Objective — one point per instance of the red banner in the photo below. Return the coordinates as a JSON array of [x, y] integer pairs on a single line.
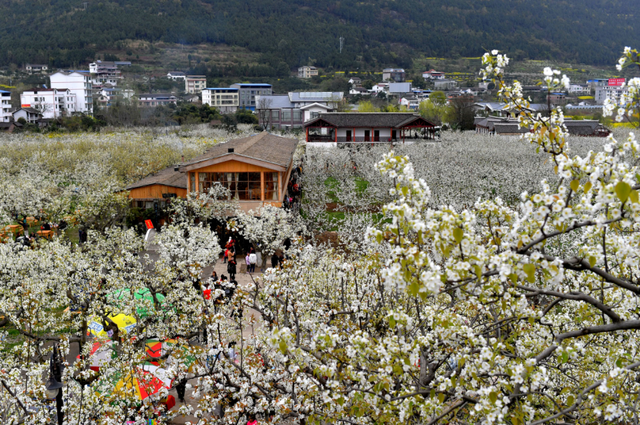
[[149, 224], [617, 81]]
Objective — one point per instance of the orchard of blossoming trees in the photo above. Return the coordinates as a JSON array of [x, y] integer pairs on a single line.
[[507, 292]]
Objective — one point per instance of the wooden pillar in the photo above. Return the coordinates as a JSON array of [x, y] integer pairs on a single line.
[[353, 138], [307, 134], [279, 185], [188, 182], [403, 136], [197, 188], [262, 184], [335, 134]]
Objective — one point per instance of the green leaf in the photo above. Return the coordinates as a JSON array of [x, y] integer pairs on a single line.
[[587, 187], [283, 347], [513, 277], [623, 190], [570, 400], [441, 397], [392, 322], [634, 196], [530, 270], [592, 261], [565, 357], [458, 234], [619, 362], [413, 288], [575, 185], [493, 397]]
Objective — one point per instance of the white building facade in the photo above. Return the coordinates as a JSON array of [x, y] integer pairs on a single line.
[[78, 83], [195, 83], [104, 73], [5, 106], [51, 103], [224, 99]]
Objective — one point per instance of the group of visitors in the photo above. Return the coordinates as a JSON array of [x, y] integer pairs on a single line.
[[251, 259]]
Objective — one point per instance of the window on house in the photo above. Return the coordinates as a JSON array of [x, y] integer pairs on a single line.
[[297, 115], [314, 115], [275, 115], [286, 115], [243, 186], [271, 186]]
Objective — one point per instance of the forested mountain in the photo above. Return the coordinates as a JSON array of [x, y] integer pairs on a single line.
[[295, 32]]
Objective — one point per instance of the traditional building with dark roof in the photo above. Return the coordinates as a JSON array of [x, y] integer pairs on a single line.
[[355, 127], [165, 184]]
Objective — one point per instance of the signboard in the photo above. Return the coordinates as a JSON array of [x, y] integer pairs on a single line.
[[169, 195], [617, 81], [149, 224]]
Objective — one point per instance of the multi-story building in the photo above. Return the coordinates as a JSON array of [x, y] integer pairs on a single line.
[[51, 103], [393, 74], [195, 83], [433, 75], [307, 71], [224, 99], [295, 108], [248, 92], [156, 99], [176, 75], [33, 67], [5, 106], [78, 83], [104, 72]]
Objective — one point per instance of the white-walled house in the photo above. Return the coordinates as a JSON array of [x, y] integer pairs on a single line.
[[312, 110], [5, 106], [30, 115], [78, 83], [51, 103], [224, 99], [176, 75]]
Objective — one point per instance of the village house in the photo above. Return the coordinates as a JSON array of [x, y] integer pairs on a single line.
[[307, 71], [30, 115], [79, 84], [393, 74], [224, 99], [356, 127], [433, 75], [51, 103], [104, 72], [32, 68], [176, 75], [255, 169], [158, 188], [355, 82], [295, 108], [579, 89], [195, 83], [156, 99], [445, 84], [511, 127], [247, 93], [611, 88], [5, 106]]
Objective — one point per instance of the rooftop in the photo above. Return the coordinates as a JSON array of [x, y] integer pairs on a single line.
[[221, 88], [166, 177], [369, 119], [263, 147], [252, 85]]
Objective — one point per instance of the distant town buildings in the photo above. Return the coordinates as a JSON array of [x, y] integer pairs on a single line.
[[156, 99], [433, 75], [247, 93], [307, 71], [195, 83], [176, 75], [30, 115], [79, 84], [5, 106], [393, 74], [106, 72], [32, 68], [614, 87], [51, 103], [293, 109], [224, 99]]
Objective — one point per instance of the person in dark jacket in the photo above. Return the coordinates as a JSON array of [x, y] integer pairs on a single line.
[[231, 268], [274, 260]]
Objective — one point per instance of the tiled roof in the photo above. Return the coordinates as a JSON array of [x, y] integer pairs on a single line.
[[166, 177], [264, 147], [366, 119]]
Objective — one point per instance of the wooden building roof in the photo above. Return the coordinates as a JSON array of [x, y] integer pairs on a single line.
[[167, 177], [264, 149], [369, 120]]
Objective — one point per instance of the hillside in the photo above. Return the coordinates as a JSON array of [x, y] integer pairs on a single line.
[[289, 33]]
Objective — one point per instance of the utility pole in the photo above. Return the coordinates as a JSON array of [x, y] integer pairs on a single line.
[[341, 43]]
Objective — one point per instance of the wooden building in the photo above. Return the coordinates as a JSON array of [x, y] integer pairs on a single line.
[[165, 184], [355, 127], [255, 169]]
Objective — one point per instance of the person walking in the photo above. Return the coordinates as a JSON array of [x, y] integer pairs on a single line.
[[247, 260], [253, 259], [231, 268], [274, 260]]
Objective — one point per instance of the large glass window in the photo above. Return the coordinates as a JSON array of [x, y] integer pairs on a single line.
[[286, 115], [297, 115], [243, 186], [275, 115], [271, 186]]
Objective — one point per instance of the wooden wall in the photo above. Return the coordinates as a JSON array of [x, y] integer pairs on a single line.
[[155, 191], [232, 167]]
